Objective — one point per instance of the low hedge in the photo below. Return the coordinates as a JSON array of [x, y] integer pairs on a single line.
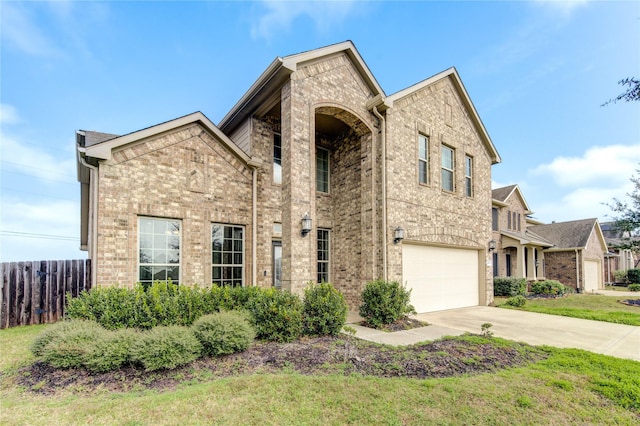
[[165, 347], [548, 288], [509, 286], [633, 276], [384, 302], [634, 287], [224, 333], [324, 310]]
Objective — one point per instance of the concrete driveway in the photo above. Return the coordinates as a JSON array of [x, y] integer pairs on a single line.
[[622, 341]]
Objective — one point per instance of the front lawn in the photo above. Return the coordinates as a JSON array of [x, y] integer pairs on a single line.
[[586, 306], [547, 386]]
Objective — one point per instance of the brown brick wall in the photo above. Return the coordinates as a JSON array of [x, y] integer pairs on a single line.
[[561, 266]]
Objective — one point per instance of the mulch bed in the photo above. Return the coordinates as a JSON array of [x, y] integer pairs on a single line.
[[309, 356], [632, 302]]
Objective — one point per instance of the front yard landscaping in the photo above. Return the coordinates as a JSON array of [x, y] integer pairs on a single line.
[[586, 306]]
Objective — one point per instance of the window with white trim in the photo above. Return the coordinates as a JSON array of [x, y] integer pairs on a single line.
[[322, 170], [158, 250], [468, 175], [423, 159], [447, 174], [227, 255], [323, 255], [277, 158]]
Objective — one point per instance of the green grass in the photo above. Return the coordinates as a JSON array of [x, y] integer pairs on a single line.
[[569, 387], [586, 306]]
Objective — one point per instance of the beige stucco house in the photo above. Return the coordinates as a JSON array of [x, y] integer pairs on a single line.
[[571, 252], [314, 175]]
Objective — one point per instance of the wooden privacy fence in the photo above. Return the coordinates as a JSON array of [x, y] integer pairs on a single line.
[[35, 292]]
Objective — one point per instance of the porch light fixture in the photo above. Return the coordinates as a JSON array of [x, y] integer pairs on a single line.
[[492, 245], [398, 235], [306, 224]]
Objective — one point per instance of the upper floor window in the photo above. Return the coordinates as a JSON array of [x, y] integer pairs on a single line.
[[509, 219], [494, 219], [448, 161], [158, 250], [519, 219], [513, 221], [423, 159], [277, 158], [468, 175], [322, 170], [227, 255]]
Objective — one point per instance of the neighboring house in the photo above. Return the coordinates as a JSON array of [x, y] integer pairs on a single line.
[[577, 256], [314, 175], [619, 257], [519, 252]]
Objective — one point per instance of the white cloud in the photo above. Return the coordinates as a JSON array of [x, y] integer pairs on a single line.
[[598, 166], [9, 115], [21, 31], [281, 14]]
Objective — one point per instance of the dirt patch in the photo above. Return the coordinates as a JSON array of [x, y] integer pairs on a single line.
[[405, 323], [309, 356]]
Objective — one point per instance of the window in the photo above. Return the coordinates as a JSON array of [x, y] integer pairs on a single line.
[[322, 170], [494, 219], [509, 219], [323, 255], [277, 263], [447, 168], [519, 219], [468, 175], [159, 250], [423, 159], [227, 255], [277, 158], [495, 264], [513, 221]]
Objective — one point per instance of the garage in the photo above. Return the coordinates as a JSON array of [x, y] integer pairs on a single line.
[[440, 277], [591, 276]]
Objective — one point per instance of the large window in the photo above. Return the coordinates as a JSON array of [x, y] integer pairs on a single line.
[[323, 255], [322, 170], [448, 161], [468, 175], [159, 250], [494, 219], [227, 255], [277, 158], [423, 159]]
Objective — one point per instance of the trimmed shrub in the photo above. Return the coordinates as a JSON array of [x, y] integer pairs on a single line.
[[517, 301], [384, 302], [55, 332], [324, 310], [165, 348], [509, 286], [111, 307], [634, 287], [548, 288], [633, 275], [224, 332], [111, 351], [72, 345], [620, 275], [276, 314]]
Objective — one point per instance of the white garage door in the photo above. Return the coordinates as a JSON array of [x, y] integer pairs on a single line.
[[591, 276], [440, 278]]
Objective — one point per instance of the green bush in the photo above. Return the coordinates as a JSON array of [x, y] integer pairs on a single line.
[[224, 332], [112, 307], [111, 351], [620, 275], [509, 286], [324, 310], [517, 301], [633, 275], [634, 287], [276, 314], [165, 347], [548, 288], [72, 345], [384, 302], [55, 332]]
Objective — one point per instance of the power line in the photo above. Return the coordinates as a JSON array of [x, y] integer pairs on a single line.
[[43, 236]]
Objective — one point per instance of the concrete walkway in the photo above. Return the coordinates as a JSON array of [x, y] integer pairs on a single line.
[[622, 341]]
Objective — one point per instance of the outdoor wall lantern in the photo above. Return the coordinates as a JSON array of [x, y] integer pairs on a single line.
[[492, 245], [306, 224], [398, 235]]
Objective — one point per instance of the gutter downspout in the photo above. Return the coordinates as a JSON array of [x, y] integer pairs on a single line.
[[93, 212], [383, 141], [577, 272], [254, 164]]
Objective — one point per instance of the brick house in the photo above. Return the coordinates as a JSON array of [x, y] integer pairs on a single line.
[[519, 252], [571, 252], [620, 257], [314, 175]]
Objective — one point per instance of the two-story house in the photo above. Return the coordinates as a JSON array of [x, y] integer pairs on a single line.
[[314, 175]]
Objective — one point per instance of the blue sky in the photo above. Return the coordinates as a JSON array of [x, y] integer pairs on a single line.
[[537, 72]]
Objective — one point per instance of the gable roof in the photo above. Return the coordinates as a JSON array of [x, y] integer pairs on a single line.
[[279, 71], [452, 74], [527, 237], [501, 195], [570, 235]]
